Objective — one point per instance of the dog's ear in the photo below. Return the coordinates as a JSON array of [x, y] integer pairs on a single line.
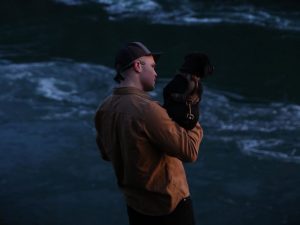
[[197, 63]]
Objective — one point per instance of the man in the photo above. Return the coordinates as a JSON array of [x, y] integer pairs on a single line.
[[146, 147], [182, 95]]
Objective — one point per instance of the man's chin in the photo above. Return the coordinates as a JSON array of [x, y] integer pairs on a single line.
[[150, 88]]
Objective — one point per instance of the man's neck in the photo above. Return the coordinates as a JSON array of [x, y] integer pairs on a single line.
[[130, 83]]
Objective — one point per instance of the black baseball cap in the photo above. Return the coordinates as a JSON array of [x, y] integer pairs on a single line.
[[128, 53]]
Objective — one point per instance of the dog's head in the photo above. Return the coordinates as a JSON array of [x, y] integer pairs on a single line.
[[198, 64]]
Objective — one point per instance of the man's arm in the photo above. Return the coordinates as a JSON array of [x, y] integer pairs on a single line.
[[170, 137]]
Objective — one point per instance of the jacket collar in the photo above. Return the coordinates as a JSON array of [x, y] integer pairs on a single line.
[[130, 91]]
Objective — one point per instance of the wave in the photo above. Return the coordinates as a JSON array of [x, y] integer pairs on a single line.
[[58, 81], [54, 90], [265, 149], [266, 130], [68, 90], [191, 13]]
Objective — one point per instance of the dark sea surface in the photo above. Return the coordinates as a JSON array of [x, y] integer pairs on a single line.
[[56, 66]]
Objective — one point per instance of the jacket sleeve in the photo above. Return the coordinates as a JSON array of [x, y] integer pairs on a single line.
[[169, 137]]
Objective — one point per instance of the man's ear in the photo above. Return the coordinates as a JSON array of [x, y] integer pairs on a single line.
[[137, 66]]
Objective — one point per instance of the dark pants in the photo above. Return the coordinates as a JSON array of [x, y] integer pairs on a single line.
[[182, 215]]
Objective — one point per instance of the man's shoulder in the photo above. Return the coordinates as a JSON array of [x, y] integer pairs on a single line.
[[154, 111], [104, 102]]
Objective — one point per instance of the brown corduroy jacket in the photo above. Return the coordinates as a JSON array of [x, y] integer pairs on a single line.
[[146, 149]]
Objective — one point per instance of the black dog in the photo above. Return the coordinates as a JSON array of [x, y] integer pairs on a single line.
[[183, 93]]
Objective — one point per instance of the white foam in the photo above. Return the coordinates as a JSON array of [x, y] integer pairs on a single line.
[[64, 83], [267, 149], [123, 7], [191, 13], [229, 119], [48, 87], [238, 116]]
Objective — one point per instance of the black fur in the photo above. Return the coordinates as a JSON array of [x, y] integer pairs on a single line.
[[179, 110], [182, 95]]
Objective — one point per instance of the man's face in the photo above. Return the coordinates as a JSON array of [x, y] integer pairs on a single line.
[[148, 73]]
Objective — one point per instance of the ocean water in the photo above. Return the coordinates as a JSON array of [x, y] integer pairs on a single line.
[[56, 66]]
